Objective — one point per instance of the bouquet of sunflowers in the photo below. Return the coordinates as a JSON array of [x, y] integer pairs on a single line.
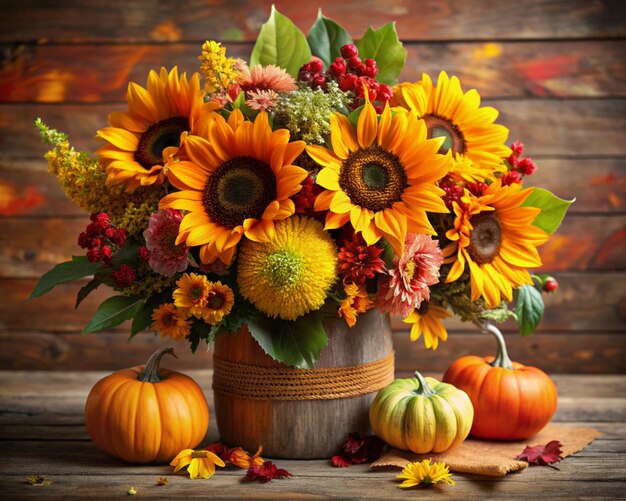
[[301, 184]]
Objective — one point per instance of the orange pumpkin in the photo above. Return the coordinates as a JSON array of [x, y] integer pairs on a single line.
[[146, 414], [511, 401]]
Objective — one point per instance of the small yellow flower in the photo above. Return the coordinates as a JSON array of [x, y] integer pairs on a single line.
[[427, 320], [219, 302], [200, 464], [424, 473], [170, 321], [191, 294]]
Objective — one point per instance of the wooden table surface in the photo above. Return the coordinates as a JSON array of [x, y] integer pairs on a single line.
[[42, 433]]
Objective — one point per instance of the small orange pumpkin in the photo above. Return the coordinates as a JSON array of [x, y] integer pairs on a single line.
[[146, 414], [511, 401]]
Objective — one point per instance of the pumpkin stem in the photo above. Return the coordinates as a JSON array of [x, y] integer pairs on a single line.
[[151, 372], [423, 389], [502, 357]]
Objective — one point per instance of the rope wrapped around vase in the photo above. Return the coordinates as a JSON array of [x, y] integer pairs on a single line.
[[288, 383]]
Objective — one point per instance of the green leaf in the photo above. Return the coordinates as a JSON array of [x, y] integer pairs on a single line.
[[114, 311], [354, 116], [280, 42], [92, 285], [142, 319], [528, 309], [553, 209], [297, 343], [384, 46], [326, 39], [78, 267]]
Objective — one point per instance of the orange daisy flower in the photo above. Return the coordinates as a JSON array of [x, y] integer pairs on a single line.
[[381, 177], [236, 182], [142, 141]]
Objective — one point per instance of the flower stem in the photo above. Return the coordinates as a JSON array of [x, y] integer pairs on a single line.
[[151, 372]]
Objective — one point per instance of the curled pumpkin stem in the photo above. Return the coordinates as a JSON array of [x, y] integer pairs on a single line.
[[151, 372], [502, 357]]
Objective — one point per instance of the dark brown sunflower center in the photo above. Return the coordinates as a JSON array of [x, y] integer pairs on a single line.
[[424, 307], [442, 127], [159, 136], [215, 301], [240, 188], [485, 238], [373, 178]]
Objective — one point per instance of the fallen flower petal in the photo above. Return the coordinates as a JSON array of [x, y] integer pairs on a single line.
[[162, 481]]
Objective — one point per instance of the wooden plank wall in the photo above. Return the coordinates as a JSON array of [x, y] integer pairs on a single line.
[[555, 69]]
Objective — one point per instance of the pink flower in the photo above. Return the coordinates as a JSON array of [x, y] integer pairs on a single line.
[[262, 100], [268, 77], [406, 285], [166, 257]]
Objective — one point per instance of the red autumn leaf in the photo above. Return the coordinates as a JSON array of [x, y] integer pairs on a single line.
[[341, 460], [266, 472], [542, 454], [353, 443], [357, 450], [220, 450]]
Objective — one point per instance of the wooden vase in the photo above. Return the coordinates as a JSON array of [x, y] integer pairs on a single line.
[[302, 429]]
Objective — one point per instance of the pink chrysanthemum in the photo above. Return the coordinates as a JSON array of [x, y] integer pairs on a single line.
[[166, 257], [262, 100], [406, 285], [268, 77]]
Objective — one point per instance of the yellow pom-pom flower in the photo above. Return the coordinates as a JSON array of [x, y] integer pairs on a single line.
[[292, 273]]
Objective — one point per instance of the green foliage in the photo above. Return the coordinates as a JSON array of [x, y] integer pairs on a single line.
[[114, 311], [281, 43], [78, 267], [326, 39], [49, 136], [553, 209], [384, 46], [528, 309], [297, 343]]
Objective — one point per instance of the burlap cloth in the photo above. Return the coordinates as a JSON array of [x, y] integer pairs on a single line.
[[495, 459]]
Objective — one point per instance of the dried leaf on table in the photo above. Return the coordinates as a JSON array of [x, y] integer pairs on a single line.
[[542, 454]]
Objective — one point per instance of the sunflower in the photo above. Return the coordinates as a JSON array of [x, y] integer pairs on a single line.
[[423, 472], [468, 130], [494, 235], [237, 182], [191, 294], [292, 273], [142, 141], [200, 463], [427, 320], [219, 302], [171, 322], [381, 177]]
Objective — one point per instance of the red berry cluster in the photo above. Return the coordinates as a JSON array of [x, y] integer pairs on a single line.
[[519, 166], [101, 239], [304, 200], [453, 192], [352, 74], [124, 276]]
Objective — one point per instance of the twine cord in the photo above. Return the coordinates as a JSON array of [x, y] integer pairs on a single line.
[[287, 383]]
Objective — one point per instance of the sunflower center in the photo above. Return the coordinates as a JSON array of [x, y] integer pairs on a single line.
[[215, 301], [240, 188], [159, 136], [373, 178], [199, 454], [170, 320], [283, 268], [196, 293], [485, 238], [442, 127]]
